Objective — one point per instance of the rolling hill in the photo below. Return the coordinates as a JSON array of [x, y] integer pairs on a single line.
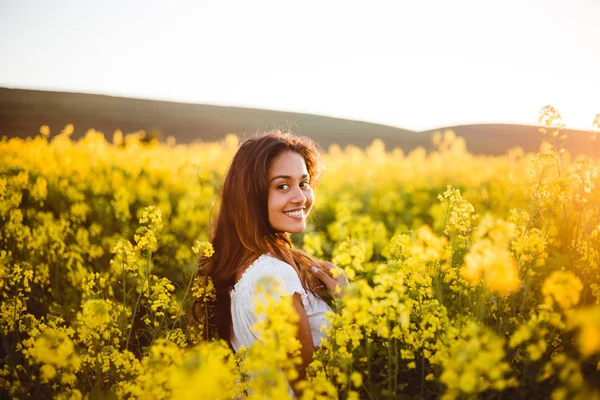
[[22, 112]]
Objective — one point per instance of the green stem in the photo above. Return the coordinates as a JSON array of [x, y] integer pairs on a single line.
[[146, 279], [205, 327], [367, 392], [535, 200], [187, 290], [16, 301], [390, 360], [422, 371], [446, 217], [396, 367], [369, 372], [123, 323], [156, 329]]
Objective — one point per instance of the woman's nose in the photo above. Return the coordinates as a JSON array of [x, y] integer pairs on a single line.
[[298, 196]]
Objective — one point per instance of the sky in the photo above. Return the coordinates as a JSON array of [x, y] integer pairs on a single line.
[[418, 64]]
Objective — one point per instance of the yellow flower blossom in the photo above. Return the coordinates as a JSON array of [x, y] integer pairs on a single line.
[[203, 249], [459, 214], [489, 258], [96, 314], [474, 362], [587, 321], [562, 288]]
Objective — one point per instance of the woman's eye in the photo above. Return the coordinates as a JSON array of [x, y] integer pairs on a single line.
[[284, 186], [304, 185]]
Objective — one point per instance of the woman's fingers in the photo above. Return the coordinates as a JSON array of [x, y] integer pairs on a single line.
[[333, 285], [336, 272], [324, 277], [327, 265]]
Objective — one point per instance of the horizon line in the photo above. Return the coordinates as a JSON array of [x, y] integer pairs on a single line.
[[177, 101]]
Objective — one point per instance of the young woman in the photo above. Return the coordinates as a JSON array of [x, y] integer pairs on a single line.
[[267, 195]]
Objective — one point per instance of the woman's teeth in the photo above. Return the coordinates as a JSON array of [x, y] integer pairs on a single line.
[[295, 214]]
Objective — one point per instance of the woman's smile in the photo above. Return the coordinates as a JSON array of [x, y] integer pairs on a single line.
[[296, 214]]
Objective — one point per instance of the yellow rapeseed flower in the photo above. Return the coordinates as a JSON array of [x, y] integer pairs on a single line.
[[203, 249], [562, 288], [96, 314], [587, 321]]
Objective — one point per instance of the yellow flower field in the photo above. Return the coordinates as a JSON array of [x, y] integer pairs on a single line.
[[472, 276]]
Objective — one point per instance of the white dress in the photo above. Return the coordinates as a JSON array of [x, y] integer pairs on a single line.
[[243, 297]]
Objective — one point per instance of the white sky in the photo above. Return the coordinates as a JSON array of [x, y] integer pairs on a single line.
[[417, 64]]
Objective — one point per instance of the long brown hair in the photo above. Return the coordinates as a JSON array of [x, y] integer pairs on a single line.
[[241, 231]]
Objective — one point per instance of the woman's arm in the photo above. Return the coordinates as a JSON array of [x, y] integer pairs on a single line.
[[336, 286], [304, 336]]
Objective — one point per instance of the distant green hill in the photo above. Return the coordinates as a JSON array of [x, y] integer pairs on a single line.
[[22, 112]]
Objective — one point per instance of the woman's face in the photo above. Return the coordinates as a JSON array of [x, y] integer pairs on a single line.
[[290, 195]]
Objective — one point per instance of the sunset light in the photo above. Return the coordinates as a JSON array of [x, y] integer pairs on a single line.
[[307, 200], [415, 65]]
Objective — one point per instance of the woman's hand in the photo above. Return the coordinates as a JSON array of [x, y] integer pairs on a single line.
[[332, 277]]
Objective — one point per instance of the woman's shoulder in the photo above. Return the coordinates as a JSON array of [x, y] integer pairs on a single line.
[[267, 266]]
